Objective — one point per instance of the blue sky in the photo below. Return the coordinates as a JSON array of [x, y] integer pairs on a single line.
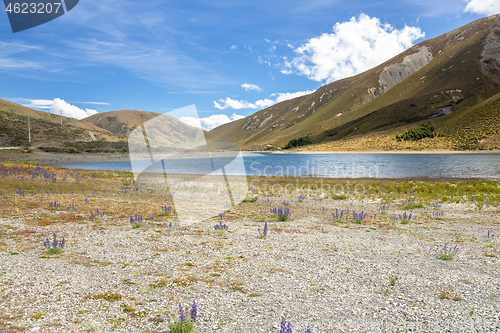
[[229, 58]]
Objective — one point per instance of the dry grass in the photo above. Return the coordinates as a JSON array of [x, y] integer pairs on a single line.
[[108, 296]]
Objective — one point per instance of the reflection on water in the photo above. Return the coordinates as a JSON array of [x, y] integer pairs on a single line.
[[338, 165]]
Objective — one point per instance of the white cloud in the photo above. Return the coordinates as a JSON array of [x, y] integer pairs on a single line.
[[286, 96], [259, 104], [487, 7], [249, 86], [191, 121], [56, 105], [233, 104], [235, 116], [210, 122], [39, 103], [352, 48]]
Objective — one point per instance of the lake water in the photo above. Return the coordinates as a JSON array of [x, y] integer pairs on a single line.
[[483, 166]]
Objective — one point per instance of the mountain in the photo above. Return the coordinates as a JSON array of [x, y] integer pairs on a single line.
[[121, 122], [46, 128], [164, 130], [451, 81], [110, 130]]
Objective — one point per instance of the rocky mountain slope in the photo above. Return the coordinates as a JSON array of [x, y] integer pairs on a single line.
[[452, 81]]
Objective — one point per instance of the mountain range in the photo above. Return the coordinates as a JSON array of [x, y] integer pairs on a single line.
[[451, 82]]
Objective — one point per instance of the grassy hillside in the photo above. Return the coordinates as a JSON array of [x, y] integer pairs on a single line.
[[46, 128], [457, 79]]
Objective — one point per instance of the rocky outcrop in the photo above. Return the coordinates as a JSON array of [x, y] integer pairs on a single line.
[[491, 53], [396, 73]]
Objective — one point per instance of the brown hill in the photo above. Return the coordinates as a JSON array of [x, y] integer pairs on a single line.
[[452, 81], [121, 122], [163, 130], [46, 128]]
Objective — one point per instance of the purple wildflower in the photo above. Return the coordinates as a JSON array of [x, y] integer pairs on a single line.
[[194, 311]]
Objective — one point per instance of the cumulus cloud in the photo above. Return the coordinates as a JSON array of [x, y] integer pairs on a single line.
[[352, 48], [191, 121], [241, 104], [249, 86], [57, 105], [210, 122], [486, 7], [259, 104]]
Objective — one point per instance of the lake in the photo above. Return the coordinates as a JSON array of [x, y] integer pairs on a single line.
[[338, 165]]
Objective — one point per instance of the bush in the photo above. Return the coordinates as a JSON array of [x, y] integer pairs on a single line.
[[298, 142], [418, 133]]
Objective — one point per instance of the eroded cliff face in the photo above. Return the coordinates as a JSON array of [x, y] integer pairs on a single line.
[[491, 53], [396, 73]]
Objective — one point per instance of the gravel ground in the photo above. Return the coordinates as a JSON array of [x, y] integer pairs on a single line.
[[334, 277]]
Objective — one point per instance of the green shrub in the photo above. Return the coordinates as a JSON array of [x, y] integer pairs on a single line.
[[418, 133], [298, 142]]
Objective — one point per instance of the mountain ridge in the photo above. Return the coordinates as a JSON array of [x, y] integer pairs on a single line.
[[457, 69], [121, 122]]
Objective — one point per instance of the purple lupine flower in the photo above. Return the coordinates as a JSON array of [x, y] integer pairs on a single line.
[[182, 314], [221, 226], [283, 325], [264, 232], [194, 311], [490, 235], [359, 216], [54, 243], [308, 330], [383, 208], [289, 328], [338, 216]]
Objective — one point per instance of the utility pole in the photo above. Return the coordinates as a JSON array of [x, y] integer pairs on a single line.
[[61, 110], [29, 130]]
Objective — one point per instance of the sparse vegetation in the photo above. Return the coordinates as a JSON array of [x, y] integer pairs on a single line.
[[108, 296], [448, 252], [73, 194]]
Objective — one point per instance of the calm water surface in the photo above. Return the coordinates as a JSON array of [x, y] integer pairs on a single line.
[[337, 165]]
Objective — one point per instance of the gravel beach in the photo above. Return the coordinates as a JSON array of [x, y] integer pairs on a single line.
[[334, 277]]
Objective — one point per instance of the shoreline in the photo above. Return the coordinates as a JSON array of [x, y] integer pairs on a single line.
[[403, 152], [61, 160]]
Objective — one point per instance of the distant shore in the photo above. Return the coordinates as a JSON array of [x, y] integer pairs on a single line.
[[43, 158], [492, 152]]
